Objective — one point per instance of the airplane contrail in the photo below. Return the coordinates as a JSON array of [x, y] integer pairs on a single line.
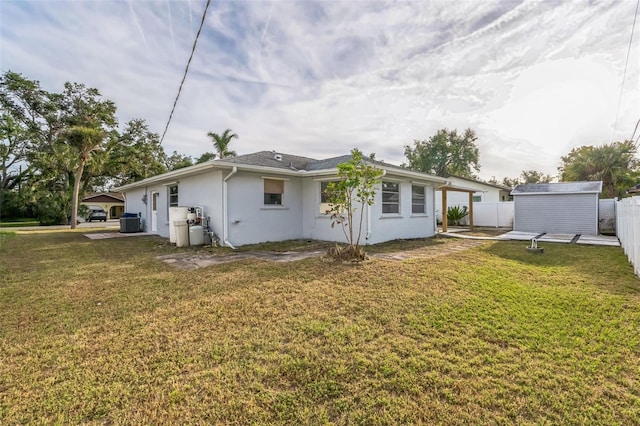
[[264, 32], [137, 23]]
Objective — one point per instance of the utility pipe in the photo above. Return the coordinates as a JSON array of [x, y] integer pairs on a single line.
[[384, 172], [225, 208]]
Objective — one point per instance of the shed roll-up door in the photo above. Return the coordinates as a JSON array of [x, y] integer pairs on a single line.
[[561, 213]]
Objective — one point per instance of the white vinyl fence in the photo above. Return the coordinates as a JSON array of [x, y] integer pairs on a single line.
[[628, 229], [498, 215]]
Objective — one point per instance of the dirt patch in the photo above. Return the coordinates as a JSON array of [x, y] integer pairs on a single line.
[[201, 260]]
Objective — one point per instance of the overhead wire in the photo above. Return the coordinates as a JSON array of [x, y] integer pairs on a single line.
[[634, 132], [624, 74], [186, 69]]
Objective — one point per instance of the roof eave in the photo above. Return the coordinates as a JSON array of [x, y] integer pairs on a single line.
[[555, 193]]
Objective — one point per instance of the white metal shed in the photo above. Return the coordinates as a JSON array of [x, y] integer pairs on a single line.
[[560, 208]]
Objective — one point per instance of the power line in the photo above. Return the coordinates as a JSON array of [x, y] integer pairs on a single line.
[[186, 70], [634, 130], [624, 74]]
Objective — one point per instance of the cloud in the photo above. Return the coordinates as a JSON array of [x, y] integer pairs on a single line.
[[318, 78]]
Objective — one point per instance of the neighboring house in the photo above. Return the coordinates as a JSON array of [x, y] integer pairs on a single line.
[[483, 193], [634, 190], [269, 196], [111, 202], [563, 207]]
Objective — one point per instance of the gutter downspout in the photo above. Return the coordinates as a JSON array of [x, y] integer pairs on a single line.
[[384, 172], [225, 208]]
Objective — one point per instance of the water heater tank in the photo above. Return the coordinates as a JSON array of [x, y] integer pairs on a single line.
[[176, 214]]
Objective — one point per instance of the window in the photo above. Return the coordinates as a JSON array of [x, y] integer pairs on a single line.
[[324, 197], [417, 200], [477, 198], [173, 195], [390, 197], [273, 190]]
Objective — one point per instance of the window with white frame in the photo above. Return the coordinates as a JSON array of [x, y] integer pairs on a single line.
[[173, 195], [273, 191], [477, 198], [390, 197], [325, 196], [418, 199]]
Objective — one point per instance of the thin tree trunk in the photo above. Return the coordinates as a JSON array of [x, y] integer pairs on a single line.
[[76, 195]]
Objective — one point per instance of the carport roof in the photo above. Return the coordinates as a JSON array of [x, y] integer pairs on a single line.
[[593, 187]]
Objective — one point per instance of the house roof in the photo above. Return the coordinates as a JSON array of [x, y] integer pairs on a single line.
[[634, 189], [594, 187], [500, 187], [271, 159], [275, 162], [104, 197]]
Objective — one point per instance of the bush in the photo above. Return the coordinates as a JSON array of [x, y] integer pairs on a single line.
[[51, 211], [456, 213]]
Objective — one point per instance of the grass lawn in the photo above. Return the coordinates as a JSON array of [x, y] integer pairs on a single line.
[[19, 222], [101, 332]]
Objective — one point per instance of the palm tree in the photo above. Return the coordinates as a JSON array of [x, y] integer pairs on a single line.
[[86, 141], [221, 143]]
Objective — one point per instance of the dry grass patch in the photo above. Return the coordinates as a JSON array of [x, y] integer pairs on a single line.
[[101, 332]]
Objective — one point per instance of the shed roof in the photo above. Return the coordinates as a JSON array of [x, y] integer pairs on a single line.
[[594, 187]]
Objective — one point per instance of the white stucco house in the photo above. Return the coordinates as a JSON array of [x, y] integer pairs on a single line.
[[269, 196]]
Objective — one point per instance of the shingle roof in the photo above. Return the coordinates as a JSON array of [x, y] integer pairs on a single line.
[[271, 159], [329, 163], [594, 187]]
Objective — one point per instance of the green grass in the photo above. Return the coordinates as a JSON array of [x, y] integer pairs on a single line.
[[19, 222], [99, 332]]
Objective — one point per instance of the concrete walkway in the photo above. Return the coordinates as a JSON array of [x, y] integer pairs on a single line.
[[595, 240]]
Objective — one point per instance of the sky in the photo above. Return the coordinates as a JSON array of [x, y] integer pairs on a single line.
[[533, 79]]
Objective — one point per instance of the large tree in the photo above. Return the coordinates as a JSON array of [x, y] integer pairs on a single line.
[[526, 176], [135, 154], [615, 164], [30, 126], [221, 143], [65, 134], [444, 154], [177, 161]]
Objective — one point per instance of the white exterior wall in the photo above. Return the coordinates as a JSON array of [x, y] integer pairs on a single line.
[[386, 227], [251, 221], [133, 204], [316, 225], [381, 227], [203, 190]]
